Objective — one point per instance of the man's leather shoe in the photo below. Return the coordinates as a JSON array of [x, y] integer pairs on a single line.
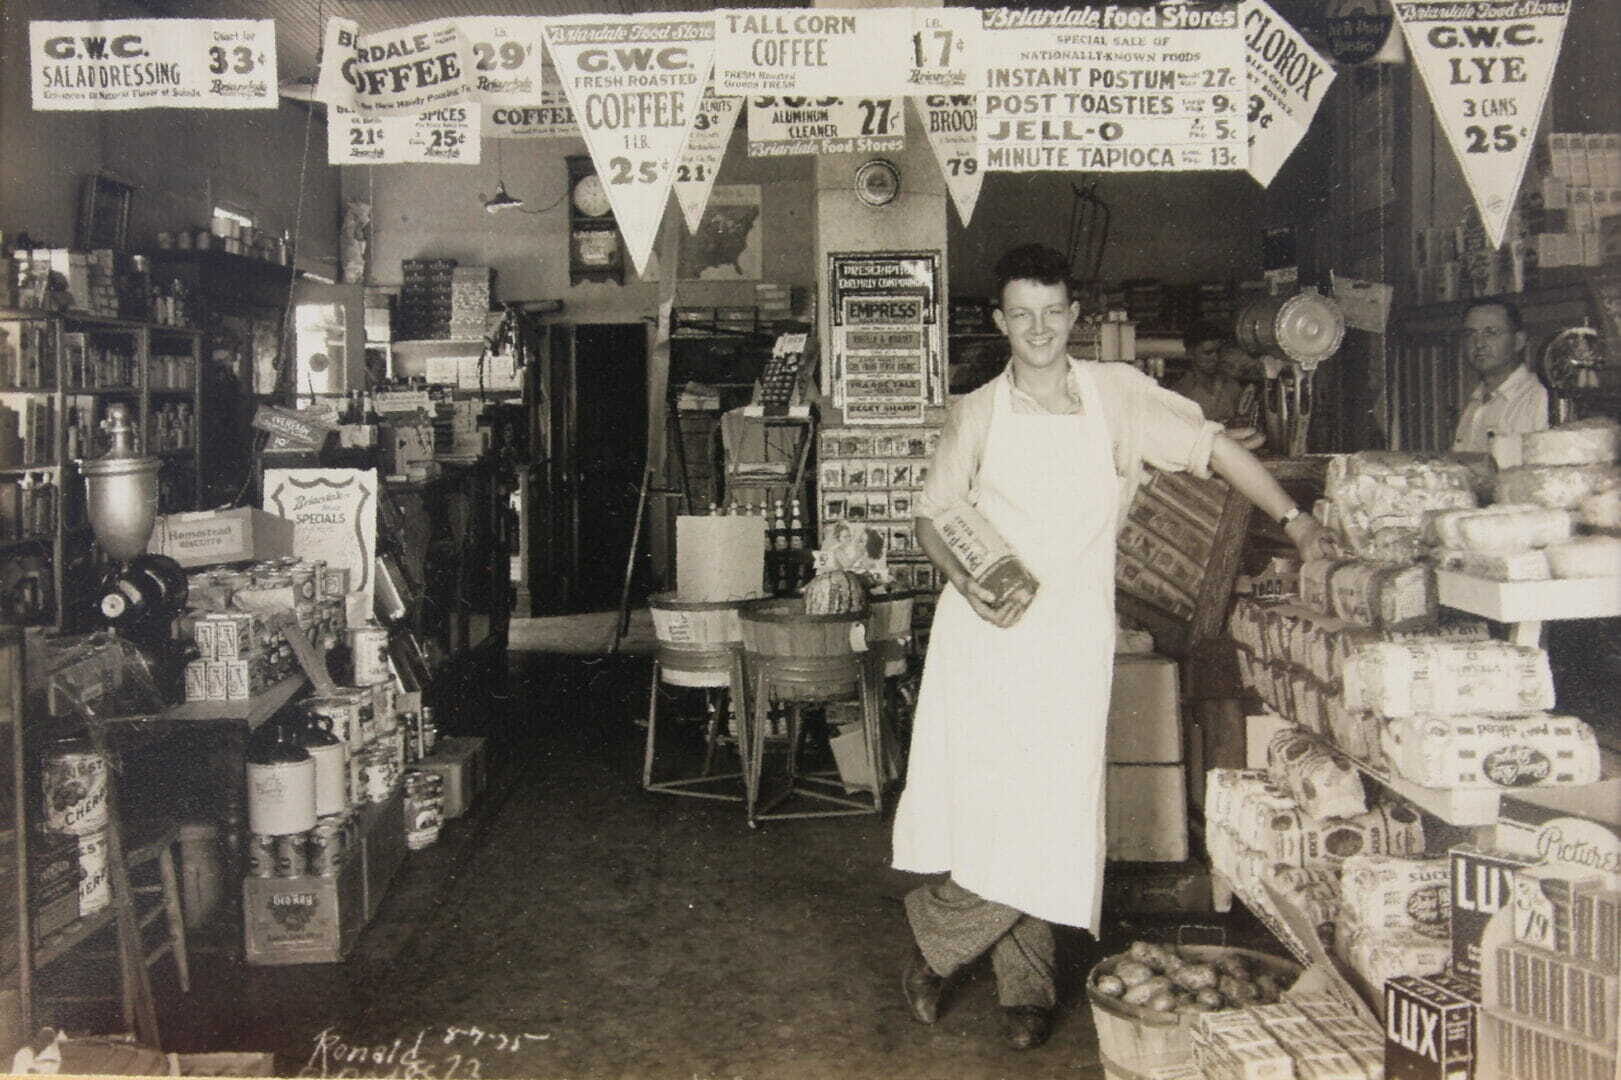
[[1026, 1026], [923, 988]]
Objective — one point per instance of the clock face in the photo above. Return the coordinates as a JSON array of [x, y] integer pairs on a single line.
[[590, 198], [878, 183]]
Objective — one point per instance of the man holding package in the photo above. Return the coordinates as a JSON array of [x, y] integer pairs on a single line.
[[1006, 770]]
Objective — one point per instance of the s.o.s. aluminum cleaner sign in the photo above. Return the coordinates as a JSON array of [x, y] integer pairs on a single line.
[[153, 63]]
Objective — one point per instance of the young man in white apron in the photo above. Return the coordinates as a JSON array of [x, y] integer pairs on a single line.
[[1005, 781]]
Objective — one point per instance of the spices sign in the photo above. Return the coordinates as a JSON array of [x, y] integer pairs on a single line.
[[153, 63], [1287, 81], [400, 71], [1487, 65], [1114, 89], [634, 84], [448, 135]]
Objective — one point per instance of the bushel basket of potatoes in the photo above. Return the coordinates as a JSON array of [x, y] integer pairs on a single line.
[[1161, 984]]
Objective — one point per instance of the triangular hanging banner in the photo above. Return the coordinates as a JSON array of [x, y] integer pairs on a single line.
[[1487, 65], [1287, 81], [952, 124], [408, 69], [706, 146], [634, 83]]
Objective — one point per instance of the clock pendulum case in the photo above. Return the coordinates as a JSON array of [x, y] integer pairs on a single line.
[[594, 250]]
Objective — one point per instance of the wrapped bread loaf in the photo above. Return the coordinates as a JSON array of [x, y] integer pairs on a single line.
[[1398, 892], [1601, 510], [1502, 528], [1595, 441], [1586, 557], [1381, 955], [1535, 750], [1321, 779], [1562, 487], [1512, 566], [1407, 678], [1375, 491], [1384, 597], [1291, 836]]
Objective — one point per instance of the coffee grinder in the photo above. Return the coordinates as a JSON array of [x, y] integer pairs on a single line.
[[142, 592]]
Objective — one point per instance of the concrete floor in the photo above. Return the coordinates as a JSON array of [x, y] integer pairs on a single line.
[[575, 926]]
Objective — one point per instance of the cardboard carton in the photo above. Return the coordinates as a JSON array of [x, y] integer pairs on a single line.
[[208, 537], [460, 760]]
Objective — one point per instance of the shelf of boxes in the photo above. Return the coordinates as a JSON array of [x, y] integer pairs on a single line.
[[872, 477]]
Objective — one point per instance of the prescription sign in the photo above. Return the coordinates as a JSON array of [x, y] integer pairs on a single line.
[[1487, 65], [118, 64], [635, 85]]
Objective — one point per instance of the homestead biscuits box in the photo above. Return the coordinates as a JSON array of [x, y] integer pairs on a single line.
[[1429, 1031], [460, 760], [207, 537]]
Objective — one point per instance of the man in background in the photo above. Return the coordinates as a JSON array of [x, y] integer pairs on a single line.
[[1222, 398], [1508, 399]]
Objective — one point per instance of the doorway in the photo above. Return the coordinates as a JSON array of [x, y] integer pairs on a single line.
[[597, 430]]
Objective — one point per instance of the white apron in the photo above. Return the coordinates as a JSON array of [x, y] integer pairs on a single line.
[[1005, 775]]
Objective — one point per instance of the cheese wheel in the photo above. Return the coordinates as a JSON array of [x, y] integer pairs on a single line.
[[1562, 487], [1595, 441], [1588, 557]]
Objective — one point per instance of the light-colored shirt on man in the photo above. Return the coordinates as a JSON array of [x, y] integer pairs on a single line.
[[1518, 405]]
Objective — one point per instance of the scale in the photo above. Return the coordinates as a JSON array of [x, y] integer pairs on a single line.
[[1294, 334]]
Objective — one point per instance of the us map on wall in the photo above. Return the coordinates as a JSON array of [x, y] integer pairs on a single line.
[[727, 245]]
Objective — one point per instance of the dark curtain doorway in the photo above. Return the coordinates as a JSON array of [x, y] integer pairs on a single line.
[[610, 382]]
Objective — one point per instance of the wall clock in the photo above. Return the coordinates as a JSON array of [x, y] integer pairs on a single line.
[[594, 249], [878, 182]]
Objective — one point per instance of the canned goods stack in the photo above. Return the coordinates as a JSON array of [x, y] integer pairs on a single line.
[[316, 852], [369, 645], [424, 809], [75, 794], [377, 770]]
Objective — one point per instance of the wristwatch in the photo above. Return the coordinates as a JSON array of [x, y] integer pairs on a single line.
[[1288, 515]]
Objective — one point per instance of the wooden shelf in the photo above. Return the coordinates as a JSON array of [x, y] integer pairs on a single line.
[[100, 391], [106, 322], [255, 710], [45, 540], [1469, 807], [72, 935], [1530, 601], [11, 470]]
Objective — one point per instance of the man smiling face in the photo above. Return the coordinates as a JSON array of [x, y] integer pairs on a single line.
[[1036, 319]]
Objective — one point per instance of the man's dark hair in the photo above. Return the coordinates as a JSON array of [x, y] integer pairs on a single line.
[[1202, 331], [1515, 321], [1033, 262]]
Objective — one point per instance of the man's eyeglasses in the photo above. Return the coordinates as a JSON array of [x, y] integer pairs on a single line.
[[1488, 334]]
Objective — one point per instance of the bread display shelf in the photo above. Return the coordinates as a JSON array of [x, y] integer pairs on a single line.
[[1464, 807], [1530, 601]]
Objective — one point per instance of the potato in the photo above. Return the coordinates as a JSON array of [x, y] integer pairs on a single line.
[[1189, 1007], [1267, 988], [1238, 991], [1133, 973], [1211, 998], [1164, 1001], [1143, 993], [1194, 976], [1110, 985], [1155, 956], [1232, 964]]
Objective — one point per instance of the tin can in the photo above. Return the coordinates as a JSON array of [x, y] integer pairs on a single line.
[[430, 731], [335, 582], [325, 848], [304, 614], [304, 587], [95, 888], [424, 809], [343, 712], [384, 716], [369, 643], [377, 773], [74, 788], [261, 855], [291, 859]]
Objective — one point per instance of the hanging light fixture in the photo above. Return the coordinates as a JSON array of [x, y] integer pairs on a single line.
[[500, 200]]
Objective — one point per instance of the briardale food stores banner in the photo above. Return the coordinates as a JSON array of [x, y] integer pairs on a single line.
[[1181, 85]]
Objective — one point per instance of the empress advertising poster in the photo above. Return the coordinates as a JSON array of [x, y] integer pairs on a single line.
[[887, 361], [153, 63], [635, 85], [1487, 65], [1111, 88]]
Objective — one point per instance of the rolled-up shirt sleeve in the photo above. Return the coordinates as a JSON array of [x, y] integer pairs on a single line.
[[1173, 432], [954, 469]]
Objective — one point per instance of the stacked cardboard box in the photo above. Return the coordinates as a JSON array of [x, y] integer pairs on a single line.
[[469, 300], [424, 308]]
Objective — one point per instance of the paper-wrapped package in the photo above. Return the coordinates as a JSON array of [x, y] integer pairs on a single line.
[[1536, 750], [1381, 955], [1561, 487], [1384, 597], [1292, 838], [1594, 441], [1397, 892], [987, 557], [1408, 678], [1379, 493], [1511, 566], [1322, 780], [1502, 528], [1586, 557]]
